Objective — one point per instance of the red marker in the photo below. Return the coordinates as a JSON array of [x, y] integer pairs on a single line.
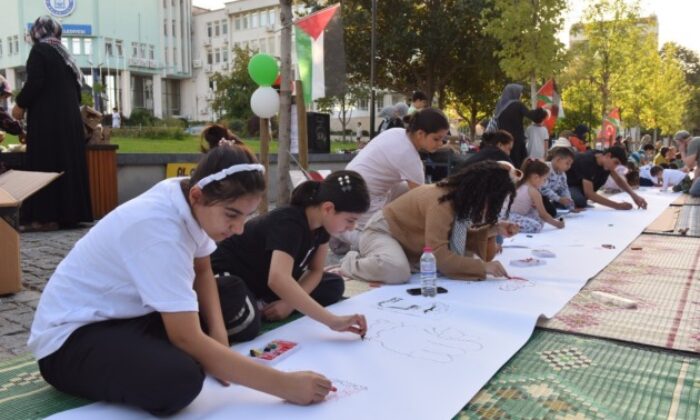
[[334, 389]]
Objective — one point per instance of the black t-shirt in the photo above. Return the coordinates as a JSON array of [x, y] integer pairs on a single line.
[[586, 167], [248, 255], [485, 153]]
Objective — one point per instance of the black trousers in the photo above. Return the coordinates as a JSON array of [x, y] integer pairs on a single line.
[[125, 361], [550, 206], [644, 182], [242, 317]]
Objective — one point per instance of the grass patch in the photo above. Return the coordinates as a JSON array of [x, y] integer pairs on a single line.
[[188, 144]]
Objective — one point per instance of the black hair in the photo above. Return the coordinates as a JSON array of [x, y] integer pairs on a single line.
[[655, 170], [560, 152], [648, 147], [418, 96], [632, 177], [663, 151], [213, 134], [494, 138], [532, 167], [618, 153], [231, 187], [430, 120], [345, 189], [539, 115], [478, 187]]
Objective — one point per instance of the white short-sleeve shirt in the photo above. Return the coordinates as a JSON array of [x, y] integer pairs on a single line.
[[135, 261], [387, 160]]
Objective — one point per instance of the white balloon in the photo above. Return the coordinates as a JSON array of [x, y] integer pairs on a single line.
[[265, 102]]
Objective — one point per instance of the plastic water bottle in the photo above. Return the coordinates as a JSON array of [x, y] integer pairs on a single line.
[[428, 275]]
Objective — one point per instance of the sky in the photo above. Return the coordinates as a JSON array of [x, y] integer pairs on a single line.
[[678, 19]]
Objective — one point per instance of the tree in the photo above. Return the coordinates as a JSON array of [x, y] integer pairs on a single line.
[[527, 32], [344, 105], [233, 90], [690, 63], [420, 45]]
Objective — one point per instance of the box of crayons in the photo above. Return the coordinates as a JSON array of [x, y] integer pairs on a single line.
[[274, 351]]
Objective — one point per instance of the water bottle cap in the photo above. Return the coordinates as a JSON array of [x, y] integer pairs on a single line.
[[427, 249]]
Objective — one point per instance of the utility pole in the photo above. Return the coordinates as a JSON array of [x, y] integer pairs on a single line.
[[283, 180], [372, 102]]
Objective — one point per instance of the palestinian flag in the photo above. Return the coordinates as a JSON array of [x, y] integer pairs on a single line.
[[611, 126], [321, 53], [548, 98]]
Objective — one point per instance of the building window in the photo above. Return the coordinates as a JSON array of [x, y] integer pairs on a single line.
[[263, 45], [271, 45], [237, 23], [87, 46], [255, 20], [245, 21], [224, 27], [209, 29], [217, 55], [16, 44], [64, 41], [272, 17], [167, 58], [108, 48], [76, 46], [175, 60], [174, 28], [9, 45], [216, 28], [165, 27], [120, 49], [0, 47], [152, 52], [209, 58], [135, 49], [224, 55], [263, 19], [165, 4]]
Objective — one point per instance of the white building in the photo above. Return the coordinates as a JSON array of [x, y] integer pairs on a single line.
[[157, 55]]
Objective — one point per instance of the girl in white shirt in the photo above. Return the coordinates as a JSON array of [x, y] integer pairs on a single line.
[[119, 320]]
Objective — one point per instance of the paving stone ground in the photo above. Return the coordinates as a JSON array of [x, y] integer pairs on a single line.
[[40, 253]]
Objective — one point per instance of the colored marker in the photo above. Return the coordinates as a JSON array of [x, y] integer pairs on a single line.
[[334, 389]]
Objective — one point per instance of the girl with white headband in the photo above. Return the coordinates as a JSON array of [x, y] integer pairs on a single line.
[[121, 318], [277, 265]]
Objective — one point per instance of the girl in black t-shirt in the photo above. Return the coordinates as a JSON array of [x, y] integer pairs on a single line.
[[276, 265]]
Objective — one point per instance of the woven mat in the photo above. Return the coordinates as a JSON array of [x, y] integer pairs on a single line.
[[662, 279], [677, 221], [686, 200], [25, 395], [560, 376]]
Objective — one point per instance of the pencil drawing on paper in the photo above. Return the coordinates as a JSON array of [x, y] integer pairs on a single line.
[[439, 344], [427, 309], [344, 389]]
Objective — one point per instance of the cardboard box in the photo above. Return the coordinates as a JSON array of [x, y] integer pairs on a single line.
[[15, 187]]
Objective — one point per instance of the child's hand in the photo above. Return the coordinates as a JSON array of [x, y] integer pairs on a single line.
[[640, 202], [277, 310], [508, 229], [623, 206], [496, 269], [305, 387], [566, 202], [559, 224], [351, 323], [17, 112]]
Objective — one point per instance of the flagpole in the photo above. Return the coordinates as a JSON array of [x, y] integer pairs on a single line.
[[373, 107]]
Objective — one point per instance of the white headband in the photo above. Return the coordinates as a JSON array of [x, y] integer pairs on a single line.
[[218, 176]]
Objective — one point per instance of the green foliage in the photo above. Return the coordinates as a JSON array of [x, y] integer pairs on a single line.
[[233, 90], [150, 132], [141, 117], [690, 64], [86, 99], [527, 32]]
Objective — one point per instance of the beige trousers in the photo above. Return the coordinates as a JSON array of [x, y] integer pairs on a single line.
[[380, 256]]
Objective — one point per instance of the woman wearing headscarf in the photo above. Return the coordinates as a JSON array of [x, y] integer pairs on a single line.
[[509, 114], [55, 139]]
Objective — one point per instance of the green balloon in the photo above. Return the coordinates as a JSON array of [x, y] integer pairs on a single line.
[[263, 69]]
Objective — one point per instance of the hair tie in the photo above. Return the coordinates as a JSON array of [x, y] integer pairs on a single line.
[[218, 176]]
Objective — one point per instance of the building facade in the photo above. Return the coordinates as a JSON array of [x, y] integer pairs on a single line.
[[157, 55]]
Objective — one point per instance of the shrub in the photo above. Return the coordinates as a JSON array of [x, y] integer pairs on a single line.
[[150, 132]]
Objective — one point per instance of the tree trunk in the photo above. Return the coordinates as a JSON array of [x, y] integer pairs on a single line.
[[283, 180], [533, 91]]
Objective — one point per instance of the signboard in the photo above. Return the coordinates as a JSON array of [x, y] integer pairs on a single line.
[[70, 29], [173, 170], [60, 8]]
